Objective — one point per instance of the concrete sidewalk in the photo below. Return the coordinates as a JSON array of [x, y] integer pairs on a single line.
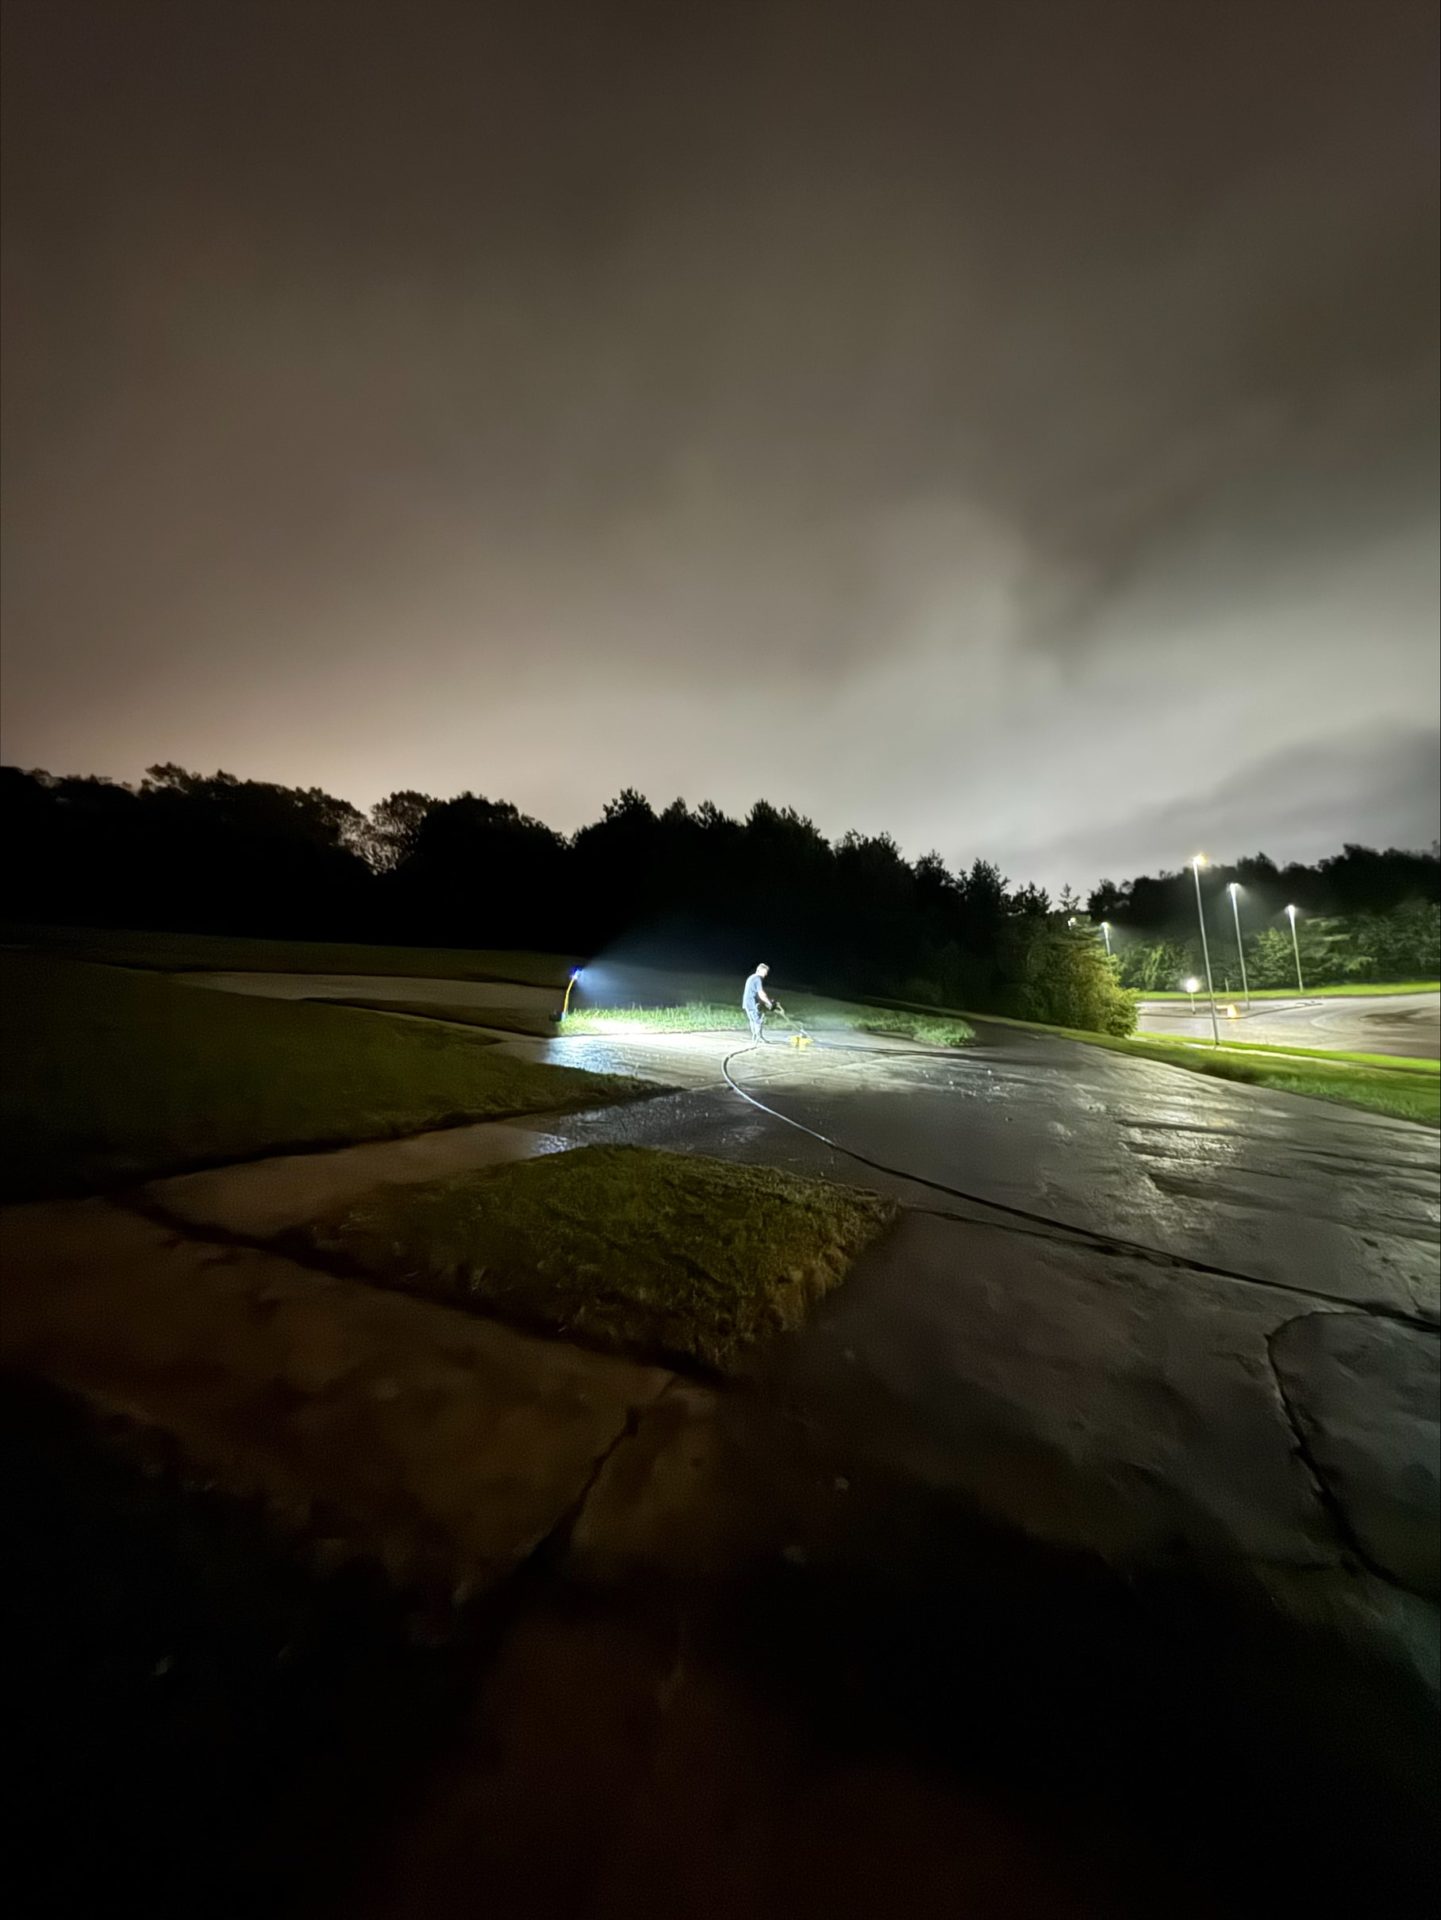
[[443, 1446], [1089, 1398], [905, 1618]]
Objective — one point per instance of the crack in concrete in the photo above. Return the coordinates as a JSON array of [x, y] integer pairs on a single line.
[[1334, 1508], [552, 1544], [1114, 1243], [1063, 1235], [159, 1445]]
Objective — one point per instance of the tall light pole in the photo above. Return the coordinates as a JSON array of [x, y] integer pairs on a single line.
[[1296, 949], [1073, 922], [1196, 865], [1234, 889]]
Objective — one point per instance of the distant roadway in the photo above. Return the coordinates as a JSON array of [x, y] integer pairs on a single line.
[[1401, 1023]]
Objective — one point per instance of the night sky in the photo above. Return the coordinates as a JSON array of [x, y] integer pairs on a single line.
[[1013, 426]]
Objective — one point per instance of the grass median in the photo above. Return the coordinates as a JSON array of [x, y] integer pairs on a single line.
[[112, 1075], [671, 1256], [1370, 990], [1402, 1089], [1376, 1083], [811, 1011]]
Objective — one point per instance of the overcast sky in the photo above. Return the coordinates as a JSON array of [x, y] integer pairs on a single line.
[[1013, 426]]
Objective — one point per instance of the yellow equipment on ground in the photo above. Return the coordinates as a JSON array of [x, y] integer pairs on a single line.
[[799, 1038]]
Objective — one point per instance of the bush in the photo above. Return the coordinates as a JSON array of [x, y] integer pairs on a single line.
[[1403, 944], [1077, 985], [1020, 1001], [1154, 966]]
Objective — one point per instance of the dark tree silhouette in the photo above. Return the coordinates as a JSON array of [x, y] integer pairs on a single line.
[[1363, 915], [188, 852]]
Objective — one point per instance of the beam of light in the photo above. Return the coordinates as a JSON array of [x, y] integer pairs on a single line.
[[575, 974]]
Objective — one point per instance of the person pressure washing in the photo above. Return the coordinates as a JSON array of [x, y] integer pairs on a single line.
[[757, 1003]]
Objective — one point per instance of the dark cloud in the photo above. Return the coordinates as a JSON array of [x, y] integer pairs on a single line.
[[1307, 800], [963, 419]]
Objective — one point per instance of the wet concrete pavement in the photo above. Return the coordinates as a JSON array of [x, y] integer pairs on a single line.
[[1291, 1190], [1124, 1403], [1405, 1024], [1134, 1417], [1314, 1198], [1318, 1198], [1072, 1329]]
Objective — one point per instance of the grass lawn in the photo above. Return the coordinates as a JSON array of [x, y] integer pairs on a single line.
[[697, 1016], [1362, 992], [814, 1012], [1377, 1083], [672, 1256], [926, 1029], [1392, 1062], [110, 1075], [1376, 1090], [506, 1019], [222, 953]]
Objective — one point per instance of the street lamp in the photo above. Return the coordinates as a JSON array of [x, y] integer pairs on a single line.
[[1196, 865], [1192, 986], [1296, 949], [1074, 922], [1234, 889]]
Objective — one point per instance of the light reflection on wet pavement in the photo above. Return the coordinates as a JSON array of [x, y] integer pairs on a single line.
[[1317, 1197], [1313, 1196]]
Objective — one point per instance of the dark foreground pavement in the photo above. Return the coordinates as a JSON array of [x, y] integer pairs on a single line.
[[734, 1680], [1039, 1575]]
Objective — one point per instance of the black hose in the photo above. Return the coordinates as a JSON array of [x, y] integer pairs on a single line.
[[1110, 1240]]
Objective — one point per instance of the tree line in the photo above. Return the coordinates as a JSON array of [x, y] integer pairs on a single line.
[[187, 852], [1362, 915]]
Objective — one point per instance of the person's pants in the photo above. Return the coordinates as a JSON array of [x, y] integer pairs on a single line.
[[753, 1014]]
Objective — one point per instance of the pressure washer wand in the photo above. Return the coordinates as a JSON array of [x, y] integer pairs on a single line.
[[800, 1038]]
